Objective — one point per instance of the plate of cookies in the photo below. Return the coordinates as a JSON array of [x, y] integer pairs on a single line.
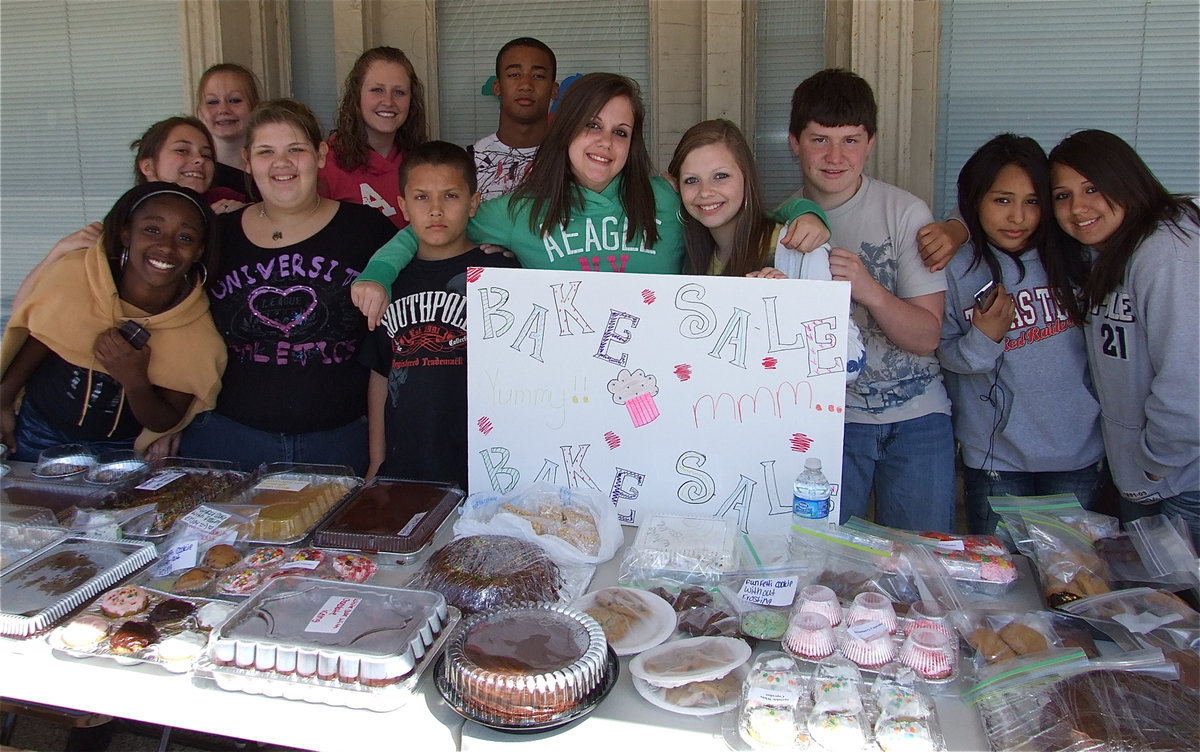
[[633, 620], [224, 571], [131, 624]]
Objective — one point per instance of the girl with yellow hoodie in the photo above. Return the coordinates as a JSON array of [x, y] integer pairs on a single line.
[[114, 344]]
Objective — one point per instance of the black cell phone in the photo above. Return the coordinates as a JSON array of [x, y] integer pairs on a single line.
[[134, 334], [983, 298]]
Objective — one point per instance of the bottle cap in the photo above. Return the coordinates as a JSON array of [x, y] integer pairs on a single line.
[[812, 463]]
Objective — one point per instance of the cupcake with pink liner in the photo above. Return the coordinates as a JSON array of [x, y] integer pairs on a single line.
[[929, 615], [810, 636], [867, 644], [929, 653], [818, 599], [636, 391], [872, 607]]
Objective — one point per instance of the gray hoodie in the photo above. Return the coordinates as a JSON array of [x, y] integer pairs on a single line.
[[1144, 349], [1045, 416]]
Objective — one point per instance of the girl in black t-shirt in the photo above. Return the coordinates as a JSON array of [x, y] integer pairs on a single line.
[[293, 390]]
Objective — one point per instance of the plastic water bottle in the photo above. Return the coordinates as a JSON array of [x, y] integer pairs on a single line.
[[810, 498]]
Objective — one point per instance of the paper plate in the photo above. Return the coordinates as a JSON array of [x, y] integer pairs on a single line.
[[657, 696], [692, 660], [645, 633]]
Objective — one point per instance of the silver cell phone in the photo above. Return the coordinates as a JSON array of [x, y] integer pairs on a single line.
[[983, 297]]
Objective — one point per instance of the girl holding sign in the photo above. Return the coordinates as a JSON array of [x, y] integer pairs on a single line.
[[589, 201], [1138, 310], [1014, 365], [726, 228]]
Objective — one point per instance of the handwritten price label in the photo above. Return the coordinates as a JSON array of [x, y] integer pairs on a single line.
[[205, 518], [282, 484], [412, 524], [330, 618], [158, 481], [779, 591], [180, 556], [866, 630], [311, 564], [762, 696]]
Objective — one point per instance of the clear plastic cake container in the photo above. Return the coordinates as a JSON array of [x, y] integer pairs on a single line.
[[328, 691], [527, 695], [294, 498], [300, 628], [389, 514], [60, 496], [173, 489], [19, 542], [44, 588]]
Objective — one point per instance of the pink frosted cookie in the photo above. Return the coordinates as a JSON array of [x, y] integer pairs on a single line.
[[240, 582], [263, 557], [997, 569], [354, 568], [124, 601]]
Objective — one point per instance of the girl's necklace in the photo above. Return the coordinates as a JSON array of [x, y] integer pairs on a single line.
[[278, 233]]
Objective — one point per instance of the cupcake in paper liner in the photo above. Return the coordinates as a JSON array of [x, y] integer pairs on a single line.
[[636, 391]]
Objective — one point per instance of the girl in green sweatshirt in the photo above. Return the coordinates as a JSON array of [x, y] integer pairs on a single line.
[[589, 201]]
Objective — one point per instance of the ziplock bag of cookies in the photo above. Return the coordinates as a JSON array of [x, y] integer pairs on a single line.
[[574, 525], [854, 562], [1067, 564]]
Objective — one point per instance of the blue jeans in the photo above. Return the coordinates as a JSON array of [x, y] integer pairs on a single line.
[[1185, 505], [34, 433], [1085, 483], [212, 436], [910, 467]]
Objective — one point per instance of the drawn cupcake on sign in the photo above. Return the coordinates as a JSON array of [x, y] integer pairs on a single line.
[[636, 391]]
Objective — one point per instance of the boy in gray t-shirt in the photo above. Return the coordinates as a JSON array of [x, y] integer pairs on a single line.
[[899, 442]]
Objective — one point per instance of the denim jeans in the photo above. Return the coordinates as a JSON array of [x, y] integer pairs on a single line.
[[910, 467], [212, 436], [1185, 505], [1085, 483], [34, 433]]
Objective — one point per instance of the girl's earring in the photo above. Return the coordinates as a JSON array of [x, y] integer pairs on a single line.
[[203, 274], [124, 257]]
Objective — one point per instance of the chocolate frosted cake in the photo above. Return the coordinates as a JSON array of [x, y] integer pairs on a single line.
[[526, 665], [482, 572], [390, 515]]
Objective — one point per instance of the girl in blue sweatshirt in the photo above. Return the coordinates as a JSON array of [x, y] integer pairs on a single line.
[[1015, 365]]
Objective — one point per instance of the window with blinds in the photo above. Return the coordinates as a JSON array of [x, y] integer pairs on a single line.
[[789, 47], [600, 35], [1046, 68], [310, 32], [81, 80]]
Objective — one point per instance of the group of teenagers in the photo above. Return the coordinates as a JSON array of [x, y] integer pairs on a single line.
[[265, 294]]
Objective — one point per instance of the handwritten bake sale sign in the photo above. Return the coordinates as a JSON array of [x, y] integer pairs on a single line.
[[669, 394]]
